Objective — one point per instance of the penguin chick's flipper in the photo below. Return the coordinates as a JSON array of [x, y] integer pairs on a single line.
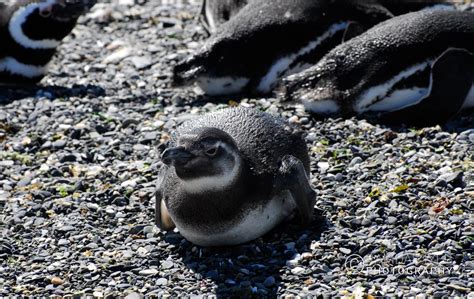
[[452, 75], [292, 176], [162, 216]]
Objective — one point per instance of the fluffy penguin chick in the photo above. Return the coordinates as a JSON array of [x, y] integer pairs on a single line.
[[30, 32], [267, 40], [416, 68], [231, 176]]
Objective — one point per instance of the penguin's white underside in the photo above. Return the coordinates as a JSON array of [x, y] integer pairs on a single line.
[[255, 223], [11, 65], [400, 99], [222, 85], [377, 98], [320, 107], [16, 31]]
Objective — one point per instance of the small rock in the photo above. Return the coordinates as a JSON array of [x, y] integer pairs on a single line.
[[391, 220], [133, 295], [269, 281], [345, 250], [167, 264], [148, 272], [57, 281], [141, 62], [162, 282], [297, 270]]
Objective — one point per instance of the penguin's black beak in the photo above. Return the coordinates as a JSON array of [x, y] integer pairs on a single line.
[[176, 156], [186, 72]]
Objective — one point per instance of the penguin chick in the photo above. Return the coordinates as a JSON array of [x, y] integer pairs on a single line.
[[231, 176], [30, 32], [267, 40], [416, 68]]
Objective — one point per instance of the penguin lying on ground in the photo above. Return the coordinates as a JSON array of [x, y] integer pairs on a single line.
[[269, 39], [231, 176], [30, 32], [216, 12], [418, 68]]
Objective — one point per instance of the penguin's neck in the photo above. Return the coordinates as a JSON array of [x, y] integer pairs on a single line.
[[217, 183], [29, 41], [25, 17]]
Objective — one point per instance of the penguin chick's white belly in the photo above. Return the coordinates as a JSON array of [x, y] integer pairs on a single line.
[[222, 85], [254, 224], [469, 101]]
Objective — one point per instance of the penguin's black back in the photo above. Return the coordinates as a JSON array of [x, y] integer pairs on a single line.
[[263, 139], [400, 42], [271, 29]]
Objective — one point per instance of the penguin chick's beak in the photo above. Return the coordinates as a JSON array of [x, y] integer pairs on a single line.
[[176, 156]]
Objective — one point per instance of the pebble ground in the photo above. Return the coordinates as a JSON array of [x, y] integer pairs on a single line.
[[79, 155]]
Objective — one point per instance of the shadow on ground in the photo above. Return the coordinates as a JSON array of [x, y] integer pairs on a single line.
[[458, 123], [9, 94], [254, 269]]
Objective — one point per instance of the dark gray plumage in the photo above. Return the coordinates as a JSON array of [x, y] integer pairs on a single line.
[[399, 63], [268, 159], [269, 39]]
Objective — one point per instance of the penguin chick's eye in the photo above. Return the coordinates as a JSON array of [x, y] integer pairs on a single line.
[[211, 152]]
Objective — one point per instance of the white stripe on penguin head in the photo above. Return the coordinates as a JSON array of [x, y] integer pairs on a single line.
[[19, 18], [215, 182]]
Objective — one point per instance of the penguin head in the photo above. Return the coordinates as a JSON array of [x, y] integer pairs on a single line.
[[205, 159], [313, 83], [43, 23], [216, 70], [188, 71]]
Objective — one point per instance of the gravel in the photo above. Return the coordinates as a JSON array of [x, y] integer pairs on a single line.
[[79, 155]]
